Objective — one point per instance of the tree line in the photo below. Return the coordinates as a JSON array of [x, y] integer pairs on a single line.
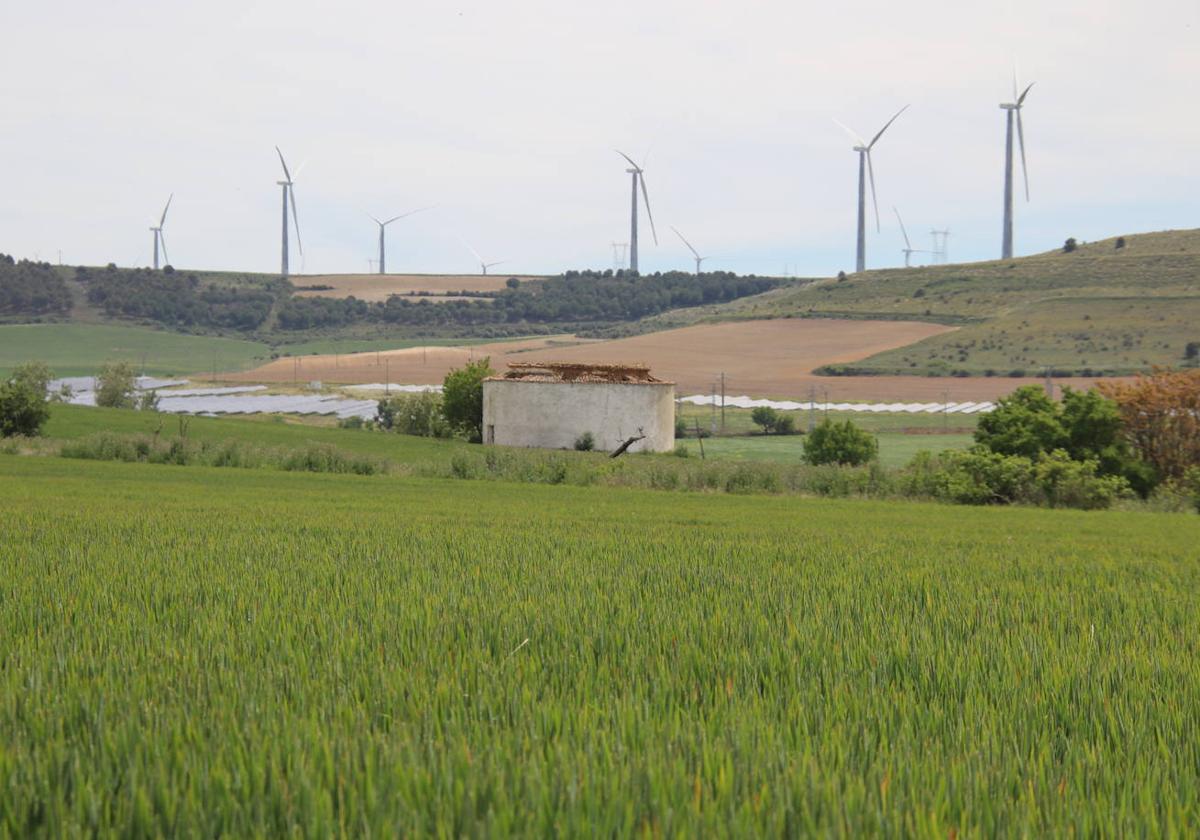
[[578, 297], [32, 288], [181, 300]]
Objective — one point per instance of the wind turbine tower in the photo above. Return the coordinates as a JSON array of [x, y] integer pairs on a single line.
[[699, 259], [382, 227], [289, 196], [638, 176], [865, 168], [483, 264], [908, 249], [158, 235], [1011, 108]]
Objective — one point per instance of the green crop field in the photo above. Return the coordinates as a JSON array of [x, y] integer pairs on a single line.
[[80, 349], [190, 651]]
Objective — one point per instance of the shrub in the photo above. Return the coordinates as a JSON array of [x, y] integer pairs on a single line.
[[766, 417], [1026, 423], [351, 422], [1160, 416], [586, 442], [115, 385], [462, 398], [840, 443], [785, 424], [1191, 352], [1120, 243], [23, 404], [680, 426], [148, 401], [1070, 245], [413, 414], [1063, 482]]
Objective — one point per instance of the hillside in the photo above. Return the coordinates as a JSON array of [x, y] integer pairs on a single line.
[[1097, 310]]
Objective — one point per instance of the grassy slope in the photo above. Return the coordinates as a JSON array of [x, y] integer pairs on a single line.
[[1099, 308], [80, 349], [287, 654], [896, 447]]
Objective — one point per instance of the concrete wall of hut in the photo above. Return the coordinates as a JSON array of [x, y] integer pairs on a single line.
[[552, 415]]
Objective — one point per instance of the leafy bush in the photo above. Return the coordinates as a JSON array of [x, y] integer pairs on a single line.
[[1070, 245], [766, 417], [1065, 482], [413, 414], [115, 386], [1025, 423], [586, 442], [462, 398], [840, 443], [680, 426], [23, 404]]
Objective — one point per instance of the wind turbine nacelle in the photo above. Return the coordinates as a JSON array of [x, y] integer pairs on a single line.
[[1009, 106]]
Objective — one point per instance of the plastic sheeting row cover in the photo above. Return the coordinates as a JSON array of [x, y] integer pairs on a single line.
[[237, 399], [869, 408], [248, 399]]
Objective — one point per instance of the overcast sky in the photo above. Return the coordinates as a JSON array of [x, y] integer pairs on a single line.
[[505, 115]]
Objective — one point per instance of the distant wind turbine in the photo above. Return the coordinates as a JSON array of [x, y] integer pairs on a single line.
[[483, 265], [289, 196], [158, 235], [1006, 247], [638, 176], [382, 226], [695, 254], [865, 168], [908, 249]]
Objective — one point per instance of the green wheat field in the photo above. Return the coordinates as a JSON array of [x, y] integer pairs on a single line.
[[205, 652]]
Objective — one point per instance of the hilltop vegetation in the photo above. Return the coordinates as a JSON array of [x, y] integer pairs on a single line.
[[1100, 309], [31, 289]]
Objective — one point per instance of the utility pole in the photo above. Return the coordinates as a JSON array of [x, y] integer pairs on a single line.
[[722, 402], [712, 424]]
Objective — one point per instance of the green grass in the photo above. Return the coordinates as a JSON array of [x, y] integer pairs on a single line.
[[68, 422], [239, 653], [895, 450], [80, 349]]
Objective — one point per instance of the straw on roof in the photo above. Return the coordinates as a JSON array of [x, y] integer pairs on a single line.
[[577, 372]]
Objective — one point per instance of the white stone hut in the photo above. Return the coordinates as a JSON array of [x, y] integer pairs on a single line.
[[552, 404]]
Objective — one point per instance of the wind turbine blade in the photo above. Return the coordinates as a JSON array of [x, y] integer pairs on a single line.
[[472, 250], [1021, 98], [372, 218], [496, 263], [875, 139], [688, 244], [853, 134], [649, 215], [1014, 83], [295, 219], [300, 168], [406, 215], [907, 244], [628, 158], [163, 220], [286, 174], [874, 200], [1021, 143], [162, 240]]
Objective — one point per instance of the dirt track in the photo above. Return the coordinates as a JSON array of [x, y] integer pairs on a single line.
[[759, 358]]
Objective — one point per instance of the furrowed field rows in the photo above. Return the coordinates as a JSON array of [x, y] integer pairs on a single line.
[[196, 651]]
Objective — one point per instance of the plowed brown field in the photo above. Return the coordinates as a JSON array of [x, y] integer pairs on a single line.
[[759, 358], [377, 287]]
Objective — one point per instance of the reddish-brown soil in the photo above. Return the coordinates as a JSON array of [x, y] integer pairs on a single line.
[[772, 358]]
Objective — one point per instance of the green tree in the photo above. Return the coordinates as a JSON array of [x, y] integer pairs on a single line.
[[23, 404], [1026, 422], [462, 398], [115, 385], [766, 417], [840, 443]]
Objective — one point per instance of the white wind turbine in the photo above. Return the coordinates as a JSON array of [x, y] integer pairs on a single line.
[[908, 249], [699, 259], [382, 226], [639, 176], [1014, 107], [289, 196], [159, 239], [866, 168]]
